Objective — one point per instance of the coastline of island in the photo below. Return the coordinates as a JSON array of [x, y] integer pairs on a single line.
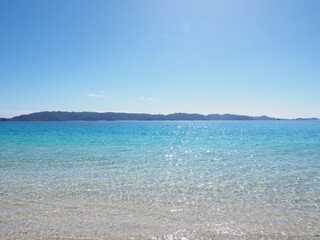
[[121, 116]]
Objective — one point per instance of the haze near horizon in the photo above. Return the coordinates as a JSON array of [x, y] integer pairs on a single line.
[[240, 57]]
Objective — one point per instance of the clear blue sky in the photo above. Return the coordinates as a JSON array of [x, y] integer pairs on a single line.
[[248, 57]]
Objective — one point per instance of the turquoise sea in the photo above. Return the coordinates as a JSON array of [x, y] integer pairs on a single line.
[[160, 180]]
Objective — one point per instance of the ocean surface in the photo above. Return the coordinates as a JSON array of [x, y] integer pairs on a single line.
[[160, 180]]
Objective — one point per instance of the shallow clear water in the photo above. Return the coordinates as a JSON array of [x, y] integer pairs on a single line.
[[170, 180]]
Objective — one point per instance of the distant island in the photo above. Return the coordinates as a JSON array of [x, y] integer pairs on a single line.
[[115, 116]]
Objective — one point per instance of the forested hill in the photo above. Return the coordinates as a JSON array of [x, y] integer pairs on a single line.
[[113, 116]]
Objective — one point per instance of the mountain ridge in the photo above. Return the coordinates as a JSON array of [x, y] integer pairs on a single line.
[[122, 116]]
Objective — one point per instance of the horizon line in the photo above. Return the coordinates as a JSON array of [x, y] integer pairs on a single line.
[[163, 114]]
